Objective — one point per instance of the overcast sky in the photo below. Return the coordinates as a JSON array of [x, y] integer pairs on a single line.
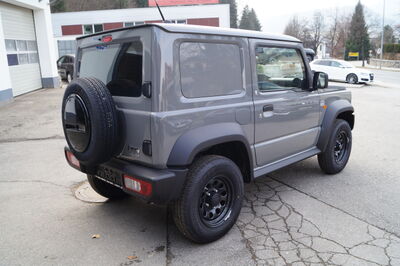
[[274, 14]]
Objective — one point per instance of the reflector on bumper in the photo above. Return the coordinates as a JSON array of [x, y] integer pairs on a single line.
[[72, 159], [137, 185]]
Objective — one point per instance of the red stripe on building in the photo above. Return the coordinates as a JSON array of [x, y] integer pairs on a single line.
[[153, 21], [114, 25], [204, 21], [182, 2], [71, 30]]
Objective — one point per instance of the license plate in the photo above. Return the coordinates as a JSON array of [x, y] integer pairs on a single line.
[[110, 176]]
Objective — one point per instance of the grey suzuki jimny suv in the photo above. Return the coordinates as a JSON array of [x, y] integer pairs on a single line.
[[185, 115]]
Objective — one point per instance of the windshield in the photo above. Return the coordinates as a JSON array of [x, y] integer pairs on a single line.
[[119, 66]]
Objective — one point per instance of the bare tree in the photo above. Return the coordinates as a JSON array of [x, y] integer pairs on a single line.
[[316, 30], [310, 34], [332, 34], [337, 32], [293, 28], [298, 29]]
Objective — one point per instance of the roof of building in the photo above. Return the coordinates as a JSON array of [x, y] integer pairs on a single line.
[[194, 29]]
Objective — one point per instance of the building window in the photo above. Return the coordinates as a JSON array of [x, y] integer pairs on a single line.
[[11, 46], [98, 27], [21, 52], [133, 23], [92, 28], [88, 29], [21, 45], [178, 21], [66, 47]]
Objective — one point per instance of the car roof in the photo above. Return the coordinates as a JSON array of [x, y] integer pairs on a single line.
[[195, 29]]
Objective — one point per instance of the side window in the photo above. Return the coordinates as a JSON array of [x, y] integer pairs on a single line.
[[210, 69], [335, 64], [61, 60], [279, 68]]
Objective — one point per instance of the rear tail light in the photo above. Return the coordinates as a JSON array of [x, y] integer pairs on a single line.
[[73, 160], [137, 185]]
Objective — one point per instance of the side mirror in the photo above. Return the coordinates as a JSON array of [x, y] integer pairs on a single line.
[[320, 80]]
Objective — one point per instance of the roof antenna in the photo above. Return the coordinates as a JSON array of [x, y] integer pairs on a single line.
[[159, 10]]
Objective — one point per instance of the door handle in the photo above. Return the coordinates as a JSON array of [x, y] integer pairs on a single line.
[[268, 108], [268, 111]]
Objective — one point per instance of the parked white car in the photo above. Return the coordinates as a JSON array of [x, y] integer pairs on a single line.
[[342, 71]]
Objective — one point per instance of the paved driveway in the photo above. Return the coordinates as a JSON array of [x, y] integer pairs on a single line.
[[294, 216]]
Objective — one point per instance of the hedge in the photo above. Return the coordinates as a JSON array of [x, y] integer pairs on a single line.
[[391, 48]]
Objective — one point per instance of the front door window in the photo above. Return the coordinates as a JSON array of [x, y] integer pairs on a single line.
[[279, 68]]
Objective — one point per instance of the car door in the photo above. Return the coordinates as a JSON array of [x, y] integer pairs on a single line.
[[68, 64], [286, 114], [336, 70], [60, 62]]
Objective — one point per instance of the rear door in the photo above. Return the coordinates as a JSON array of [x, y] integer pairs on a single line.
[[123, 62], [286, 115]]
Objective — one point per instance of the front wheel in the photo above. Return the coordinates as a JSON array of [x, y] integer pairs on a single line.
[[337, 153], [211, 200], [352, 79]]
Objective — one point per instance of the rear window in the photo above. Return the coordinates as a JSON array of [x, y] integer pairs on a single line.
[[210, 69], [119, 66]]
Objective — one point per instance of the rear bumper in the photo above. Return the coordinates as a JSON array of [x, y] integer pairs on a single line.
[[166, 184]]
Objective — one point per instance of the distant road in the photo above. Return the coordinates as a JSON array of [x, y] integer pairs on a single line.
[[387, 76]]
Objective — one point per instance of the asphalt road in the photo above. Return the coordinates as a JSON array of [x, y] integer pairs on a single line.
[[296, 215], [390, 77], [369, 186]]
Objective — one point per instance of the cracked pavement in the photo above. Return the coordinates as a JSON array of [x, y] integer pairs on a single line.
[[278, 231], [294, 216]]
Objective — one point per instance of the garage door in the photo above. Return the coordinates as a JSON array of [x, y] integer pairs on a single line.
[[22, 55]]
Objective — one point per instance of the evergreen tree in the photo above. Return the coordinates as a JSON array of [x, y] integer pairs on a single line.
[[358, 39], [388, 35], [249, 20], [142, 3], [233, 11], [57, 6]]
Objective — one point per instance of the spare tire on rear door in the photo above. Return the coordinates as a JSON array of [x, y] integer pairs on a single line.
[[90, 121]]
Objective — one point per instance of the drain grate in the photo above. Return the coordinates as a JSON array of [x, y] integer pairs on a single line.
[[85, 193]]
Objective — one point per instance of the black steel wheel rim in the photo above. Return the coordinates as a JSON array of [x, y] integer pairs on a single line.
[[216, 201], [77, 123], [341, 146]]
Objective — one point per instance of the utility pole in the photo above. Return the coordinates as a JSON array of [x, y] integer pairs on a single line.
[[383, 32]]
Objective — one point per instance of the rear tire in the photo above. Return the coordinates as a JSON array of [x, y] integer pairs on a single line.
[[211, 200], [337, 153], [352, 79], [105, 189]]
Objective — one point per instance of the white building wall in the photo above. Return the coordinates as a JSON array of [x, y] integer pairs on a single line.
[[40, 26], [141, 14], [46, 48], [5, 84]]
